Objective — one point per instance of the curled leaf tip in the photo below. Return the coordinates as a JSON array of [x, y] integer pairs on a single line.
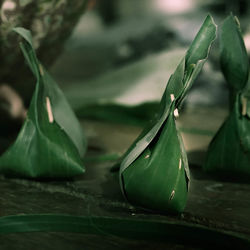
[[201, 44], [24, 33]]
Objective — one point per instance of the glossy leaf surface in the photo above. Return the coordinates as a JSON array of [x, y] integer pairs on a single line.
[[233, 55], [154, 173], [229, 152], [51, 142]]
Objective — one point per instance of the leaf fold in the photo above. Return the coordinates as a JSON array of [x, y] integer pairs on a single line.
[[51, 141]]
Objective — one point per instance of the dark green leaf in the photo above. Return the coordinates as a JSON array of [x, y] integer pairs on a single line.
[[154, 173], [233, 55], [132, 115], [51, 140], [195, 235], [229, 152], [201, 44]]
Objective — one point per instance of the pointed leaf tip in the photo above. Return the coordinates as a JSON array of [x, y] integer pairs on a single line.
[[200, 46], [24, 33], [233, 54]]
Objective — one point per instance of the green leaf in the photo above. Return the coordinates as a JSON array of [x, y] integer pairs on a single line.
[[163, 231], [154, 172], [228, 154], [25, 34], [201, 44], [133, 115], [233, 54], [51, 141]]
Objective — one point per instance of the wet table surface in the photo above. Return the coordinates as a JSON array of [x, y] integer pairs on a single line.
[[216, 204]]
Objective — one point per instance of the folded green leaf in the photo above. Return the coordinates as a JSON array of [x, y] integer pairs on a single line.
[[51, 141], [154, 173], [229, 152], [233, 55]]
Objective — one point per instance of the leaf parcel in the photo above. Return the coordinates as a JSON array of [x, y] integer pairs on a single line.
[[51, 141], [154, 173], [229, 152]]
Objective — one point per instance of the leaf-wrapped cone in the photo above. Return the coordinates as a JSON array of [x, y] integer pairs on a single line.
[[154, 172], [228, 154], [51, 141], [163, 184]]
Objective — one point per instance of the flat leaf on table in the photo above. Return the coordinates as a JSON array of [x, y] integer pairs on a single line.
[[154, 172], [163, 231], [51, 141]]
